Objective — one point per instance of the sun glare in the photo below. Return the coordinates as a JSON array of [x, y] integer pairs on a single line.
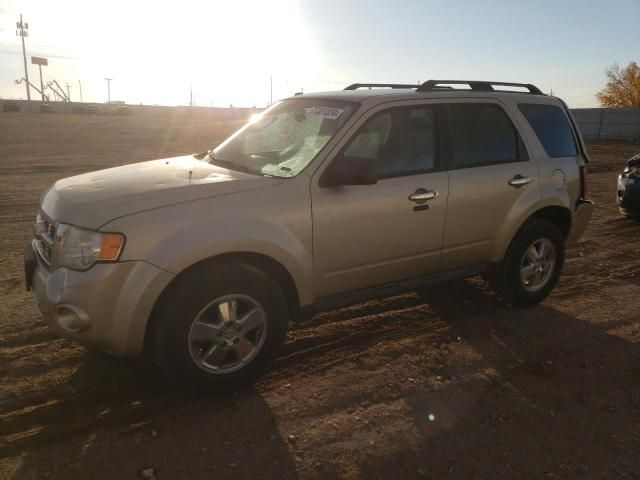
[[225, 52], [247, 45], [255, 118]]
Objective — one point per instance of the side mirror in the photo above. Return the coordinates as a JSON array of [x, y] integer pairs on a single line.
[[351, 171]]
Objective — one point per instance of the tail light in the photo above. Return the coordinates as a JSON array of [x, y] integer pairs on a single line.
[[583, 183]]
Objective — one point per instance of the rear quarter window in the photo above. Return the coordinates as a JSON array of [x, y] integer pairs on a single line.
[[551, 127]]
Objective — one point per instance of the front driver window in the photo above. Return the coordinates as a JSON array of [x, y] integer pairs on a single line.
[[400, 141]]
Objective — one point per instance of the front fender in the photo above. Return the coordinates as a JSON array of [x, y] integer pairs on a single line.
[[182, 249], [276, 224]]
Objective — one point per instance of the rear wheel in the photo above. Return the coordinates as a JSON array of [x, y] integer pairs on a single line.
[[220, 327], [533, 264]]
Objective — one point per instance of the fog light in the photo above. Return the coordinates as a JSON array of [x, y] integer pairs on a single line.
[[71, 318]]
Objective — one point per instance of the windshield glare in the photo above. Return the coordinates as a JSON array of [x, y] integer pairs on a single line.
[[284, 139]]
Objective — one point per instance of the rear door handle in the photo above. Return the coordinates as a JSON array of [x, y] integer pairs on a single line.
[[519, 181], [421, 195]]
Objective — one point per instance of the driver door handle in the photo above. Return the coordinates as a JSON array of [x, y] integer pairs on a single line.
[[519, 180], [421, 195]]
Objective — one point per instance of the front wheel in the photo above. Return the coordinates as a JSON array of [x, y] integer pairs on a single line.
[[532, 265], [220, 327]]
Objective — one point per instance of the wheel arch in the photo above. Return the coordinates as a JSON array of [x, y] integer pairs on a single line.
[[558, 215], [273, 268]]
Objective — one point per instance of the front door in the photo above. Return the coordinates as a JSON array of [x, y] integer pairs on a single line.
[[370, 235]]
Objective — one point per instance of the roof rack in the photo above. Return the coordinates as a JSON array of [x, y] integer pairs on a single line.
[[482, 86], [356, 86]]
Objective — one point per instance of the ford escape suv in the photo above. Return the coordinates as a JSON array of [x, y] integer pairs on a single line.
[[322, 200]]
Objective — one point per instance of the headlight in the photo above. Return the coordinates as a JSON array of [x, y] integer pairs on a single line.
[[80, 249], [635, 170]]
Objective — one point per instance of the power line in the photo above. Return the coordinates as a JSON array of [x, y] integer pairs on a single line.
[[23, 31]]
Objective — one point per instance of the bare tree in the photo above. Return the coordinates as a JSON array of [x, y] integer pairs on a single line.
[[623, 87]]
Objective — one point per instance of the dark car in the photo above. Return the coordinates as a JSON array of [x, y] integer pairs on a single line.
[[628, 196]]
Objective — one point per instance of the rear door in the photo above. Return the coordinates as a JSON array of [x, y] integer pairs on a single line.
[[491, 181]]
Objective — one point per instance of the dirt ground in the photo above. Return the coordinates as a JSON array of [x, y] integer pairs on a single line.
[[445, 383]]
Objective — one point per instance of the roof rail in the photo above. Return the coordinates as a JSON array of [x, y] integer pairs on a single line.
[[355, 86], [482, 86]]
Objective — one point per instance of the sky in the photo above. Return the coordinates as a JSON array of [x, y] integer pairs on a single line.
[[242, 52]]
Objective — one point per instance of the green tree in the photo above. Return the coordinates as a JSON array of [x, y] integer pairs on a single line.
[[623, 87]]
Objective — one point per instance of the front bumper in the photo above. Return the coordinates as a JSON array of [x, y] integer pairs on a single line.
[[106, 307], [580, 221]]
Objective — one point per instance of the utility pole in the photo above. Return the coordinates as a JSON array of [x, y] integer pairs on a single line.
[[41, 83], [40, 61], [68, 90], [23, 31], [80, 85], [271, 90], [108, 89]]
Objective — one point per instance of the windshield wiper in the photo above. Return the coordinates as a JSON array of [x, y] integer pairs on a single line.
[[230, 164]]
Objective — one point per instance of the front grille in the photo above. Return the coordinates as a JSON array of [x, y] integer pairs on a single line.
[[45, 230]]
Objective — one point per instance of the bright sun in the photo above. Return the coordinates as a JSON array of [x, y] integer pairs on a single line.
[[156, 52], [228, 50]]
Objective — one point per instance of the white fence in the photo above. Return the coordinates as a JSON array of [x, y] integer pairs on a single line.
[[608, 123], [594, 123], [36, 106]]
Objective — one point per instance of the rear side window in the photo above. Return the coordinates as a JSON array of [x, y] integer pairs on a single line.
[[552, 128], [481, 135]]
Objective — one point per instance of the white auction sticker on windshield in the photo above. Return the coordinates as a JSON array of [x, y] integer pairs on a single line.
[[330, 113]]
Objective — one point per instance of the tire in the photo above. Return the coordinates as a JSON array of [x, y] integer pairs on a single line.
[[509, 279], [196, 319]]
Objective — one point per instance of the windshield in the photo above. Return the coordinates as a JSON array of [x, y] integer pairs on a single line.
[[284, 138]]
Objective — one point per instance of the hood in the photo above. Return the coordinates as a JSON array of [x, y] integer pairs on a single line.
[[92, 199]]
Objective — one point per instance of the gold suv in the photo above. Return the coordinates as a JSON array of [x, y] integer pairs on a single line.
[[323, 200]]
